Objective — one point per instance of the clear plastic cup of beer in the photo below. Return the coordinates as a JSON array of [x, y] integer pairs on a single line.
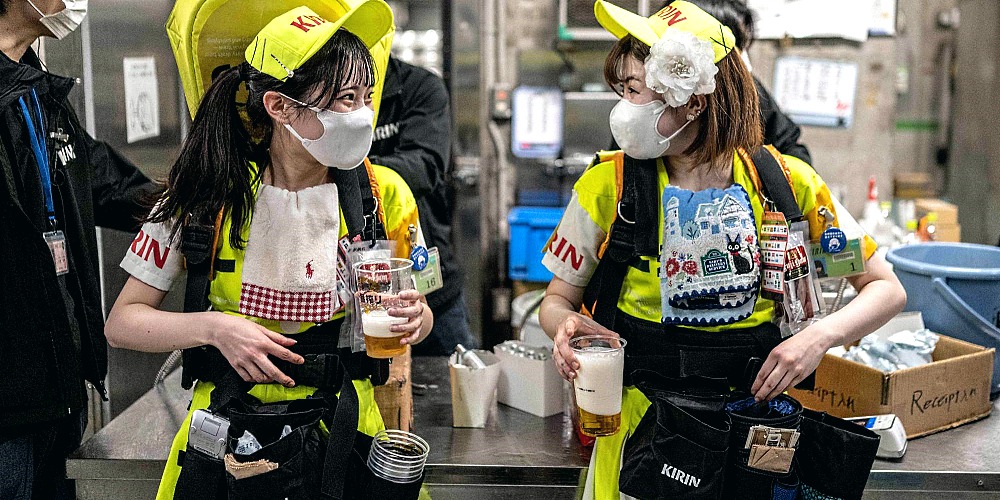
[[379, 282], [598, 383]]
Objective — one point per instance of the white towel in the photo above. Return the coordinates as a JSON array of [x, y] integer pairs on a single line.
[[290, 266]]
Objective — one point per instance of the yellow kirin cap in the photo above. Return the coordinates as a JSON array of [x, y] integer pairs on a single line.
[[678, 15], [289, 40]]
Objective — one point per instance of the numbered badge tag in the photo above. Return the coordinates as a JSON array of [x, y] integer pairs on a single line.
[[773, 243], [429, 278], [56, 241], [847, 262]]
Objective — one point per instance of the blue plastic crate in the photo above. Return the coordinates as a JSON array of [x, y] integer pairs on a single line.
[[530, 229]]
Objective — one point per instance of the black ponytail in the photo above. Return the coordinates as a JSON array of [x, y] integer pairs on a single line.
[[213, 171]]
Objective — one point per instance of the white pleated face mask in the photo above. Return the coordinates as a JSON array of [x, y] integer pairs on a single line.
[[65, 21], [346, 139], [634, 129]]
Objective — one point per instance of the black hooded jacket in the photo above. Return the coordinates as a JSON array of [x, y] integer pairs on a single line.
[[52, 327], [413, 137]]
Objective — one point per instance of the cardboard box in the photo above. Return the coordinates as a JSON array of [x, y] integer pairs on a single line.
[[952, 390], [948, 232], [912, 185], [947, 213]]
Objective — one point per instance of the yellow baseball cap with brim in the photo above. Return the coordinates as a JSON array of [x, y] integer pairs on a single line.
[[289, 40], [678, 15]]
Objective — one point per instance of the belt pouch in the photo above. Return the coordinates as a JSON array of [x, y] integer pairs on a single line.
[[676, 452], [835, 457], [201, 478], [747, 483], [365, 485], [298, 455]]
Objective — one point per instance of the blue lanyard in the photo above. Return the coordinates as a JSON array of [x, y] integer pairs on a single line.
[[40, 149]]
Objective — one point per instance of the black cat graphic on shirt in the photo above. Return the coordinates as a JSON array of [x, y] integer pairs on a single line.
[[743, 265]]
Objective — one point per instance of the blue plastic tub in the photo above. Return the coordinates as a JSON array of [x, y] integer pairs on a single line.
[[530, 229], [956, 286]]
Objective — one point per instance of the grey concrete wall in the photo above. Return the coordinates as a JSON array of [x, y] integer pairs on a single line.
[[975, 164]]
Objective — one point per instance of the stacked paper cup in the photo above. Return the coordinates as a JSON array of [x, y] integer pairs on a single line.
[[398, 456]]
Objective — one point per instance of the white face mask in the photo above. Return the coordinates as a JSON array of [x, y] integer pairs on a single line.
[[634, 129], [346, 139], [65, 21]]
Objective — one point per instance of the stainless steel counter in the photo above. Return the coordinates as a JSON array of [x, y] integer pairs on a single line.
[[517, 455]]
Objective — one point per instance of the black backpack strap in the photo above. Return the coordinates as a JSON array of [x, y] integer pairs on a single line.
[[775, 185], [196, 245], [343, 427], [362, 218], [638, 210]]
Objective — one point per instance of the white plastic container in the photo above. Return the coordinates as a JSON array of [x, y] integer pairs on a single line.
[[530, 385]]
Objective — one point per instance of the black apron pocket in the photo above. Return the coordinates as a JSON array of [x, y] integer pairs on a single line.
[[746, 483], [201, 478], [835, 456], [365, 485], [298, 455], [675, 453], [287, 482]]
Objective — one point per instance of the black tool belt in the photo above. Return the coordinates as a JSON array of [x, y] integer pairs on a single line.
[[300, 461], [695, 442], [318, 346], [732, 357]]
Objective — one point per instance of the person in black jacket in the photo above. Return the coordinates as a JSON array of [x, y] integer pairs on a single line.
[[779, 130], [413, 137], [51, 323]]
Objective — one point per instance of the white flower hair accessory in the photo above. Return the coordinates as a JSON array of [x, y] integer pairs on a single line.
[[680, 65]]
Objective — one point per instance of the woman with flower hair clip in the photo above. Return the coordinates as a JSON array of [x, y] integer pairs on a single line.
[[660, 245]]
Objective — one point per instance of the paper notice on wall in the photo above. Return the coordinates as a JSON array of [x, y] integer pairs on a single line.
[[847, 19], [816, 91], [142, 99]]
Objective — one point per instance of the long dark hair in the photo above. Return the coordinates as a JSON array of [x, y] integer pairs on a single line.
[[213, 169]]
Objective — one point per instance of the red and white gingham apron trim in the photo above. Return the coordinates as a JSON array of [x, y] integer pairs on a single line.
[[268, 303]]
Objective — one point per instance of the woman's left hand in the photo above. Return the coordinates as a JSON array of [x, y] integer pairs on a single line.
[[414, 313], [789, 363]]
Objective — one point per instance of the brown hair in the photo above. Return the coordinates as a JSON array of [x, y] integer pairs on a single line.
[[731, 118]]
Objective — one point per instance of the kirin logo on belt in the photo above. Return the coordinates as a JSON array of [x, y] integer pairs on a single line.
[[680, 476]]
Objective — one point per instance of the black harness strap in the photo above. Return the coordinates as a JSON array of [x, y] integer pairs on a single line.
[[343, 430], [362, 219], [638, 209], [196, 245], [775, 184]]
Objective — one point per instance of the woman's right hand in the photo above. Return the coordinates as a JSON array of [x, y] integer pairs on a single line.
[[246, 345], [574, 325]]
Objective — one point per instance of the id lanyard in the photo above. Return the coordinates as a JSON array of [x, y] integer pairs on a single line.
[[35, 122]]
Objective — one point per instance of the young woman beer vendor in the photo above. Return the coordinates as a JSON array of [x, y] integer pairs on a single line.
[[680, 278], [263, 172]]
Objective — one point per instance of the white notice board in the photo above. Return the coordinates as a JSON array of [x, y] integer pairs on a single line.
[[816, 91], [142, 99], [537, 128], [847, 19]]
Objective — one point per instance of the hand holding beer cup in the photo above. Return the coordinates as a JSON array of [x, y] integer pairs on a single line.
[[574, 325], [391, 310], [598, 383]]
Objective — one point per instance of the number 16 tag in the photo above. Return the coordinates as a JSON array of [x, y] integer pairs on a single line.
[[429, 279]]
